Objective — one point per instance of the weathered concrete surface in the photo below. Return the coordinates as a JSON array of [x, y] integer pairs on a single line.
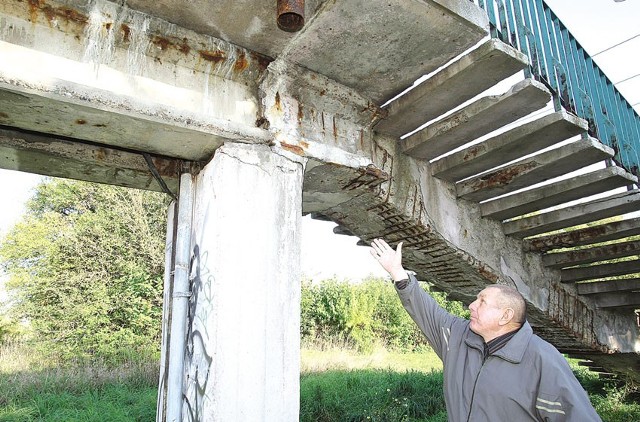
[[591, 255], [595, 272], [130, 86], [598, 209], [533, 170], [617, 300], [594, 234], [560, 192], [339, 40], [623, 285], [70, 159], [451, 86], [243, 341], [477, 119], [508, 146], [339, 37]]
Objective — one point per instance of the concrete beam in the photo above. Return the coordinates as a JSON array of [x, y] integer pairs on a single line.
[[508, 146], [533, 170], [460, 81], [620, 285], [50, 156], [590, 255], [593, 272], [572, 216], [593, 234], [100, 72], [560, 192], [617, 300], [477, 119]]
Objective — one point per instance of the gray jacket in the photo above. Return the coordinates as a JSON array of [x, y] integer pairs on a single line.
[[526, 380]]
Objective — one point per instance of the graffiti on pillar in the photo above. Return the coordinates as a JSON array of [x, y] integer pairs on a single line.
[[198, 359]]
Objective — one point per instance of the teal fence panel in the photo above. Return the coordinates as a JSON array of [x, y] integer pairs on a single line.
[[577, 83]]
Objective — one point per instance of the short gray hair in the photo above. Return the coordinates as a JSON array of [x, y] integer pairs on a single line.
[[512, 298]]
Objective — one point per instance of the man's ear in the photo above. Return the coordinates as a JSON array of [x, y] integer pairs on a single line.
[[507, 316]]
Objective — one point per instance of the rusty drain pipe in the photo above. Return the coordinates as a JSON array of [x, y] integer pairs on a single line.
[[290, 15]]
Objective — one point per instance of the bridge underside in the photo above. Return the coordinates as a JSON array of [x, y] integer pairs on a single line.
[[128, 95]]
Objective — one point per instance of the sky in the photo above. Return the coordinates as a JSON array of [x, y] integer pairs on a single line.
[[596, 24]]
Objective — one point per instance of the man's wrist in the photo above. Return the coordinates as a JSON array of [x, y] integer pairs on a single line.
[[399, 275]]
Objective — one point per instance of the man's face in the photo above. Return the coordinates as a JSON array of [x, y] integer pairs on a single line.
[[486, 313]]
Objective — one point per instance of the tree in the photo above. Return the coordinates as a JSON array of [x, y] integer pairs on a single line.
[[86, 267]]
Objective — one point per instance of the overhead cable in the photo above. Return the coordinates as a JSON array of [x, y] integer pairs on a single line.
[[626, 79], [616, 45]]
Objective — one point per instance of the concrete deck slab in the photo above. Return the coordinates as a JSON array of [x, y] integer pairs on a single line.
[[533, 170], [557, 193], [477, 119], [572, 216], [379, 47], [609, 286], [508, 146], [591, 255], [593, 234], [594, 272], [460, 81]]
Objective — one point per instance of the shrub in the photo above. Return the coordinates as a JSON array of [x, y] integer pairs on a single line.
[[361, 315]]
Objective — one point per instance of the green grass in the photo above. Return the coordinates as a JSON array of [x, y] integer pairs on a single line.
[[33, 388], [371, 395], [113, 403], [336, 385]]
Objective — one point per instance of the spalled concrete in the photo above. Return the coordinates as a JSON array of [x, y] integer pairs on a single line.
[[572, 216], [507, 146], [533, 170], [563, 191]]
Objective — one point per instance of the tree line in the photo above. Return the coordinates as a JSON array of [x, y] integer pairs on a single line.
[[85, 276]]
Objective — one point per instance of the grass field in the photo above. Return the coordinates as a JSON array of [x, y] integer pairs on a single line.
[[336, 385]]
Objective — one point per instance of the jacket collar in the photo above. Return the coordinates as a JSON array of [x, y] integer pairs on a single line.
[[515, 348]]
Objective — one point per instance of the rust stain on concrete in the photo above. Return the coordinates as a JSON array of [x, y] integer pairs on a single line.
[[241, 63], [472, 153], [63, 13], [214, 56], [126, 32], [296, 149], [502, 177]]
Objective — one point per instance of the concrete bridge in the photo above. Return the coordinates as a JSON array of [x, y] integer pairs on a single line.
[[250, 127]]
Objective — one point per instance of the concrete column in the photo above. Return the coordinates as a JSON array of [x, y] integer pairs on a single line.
[[242, 356]]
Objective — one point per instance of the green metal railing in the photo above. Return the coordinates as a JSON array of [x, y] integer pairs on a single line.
[[576, 82]]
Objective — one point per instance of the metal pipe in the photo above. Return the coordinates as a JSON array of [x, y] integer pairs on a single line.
[[169, 263], [290, 15], [180, 300]]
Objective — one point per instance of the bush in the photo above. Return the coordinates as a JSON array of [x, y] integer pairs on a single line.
[[361, 315]]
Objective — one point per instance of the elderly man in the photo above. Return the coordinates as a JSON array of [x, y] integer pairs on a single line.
[[495, 368]]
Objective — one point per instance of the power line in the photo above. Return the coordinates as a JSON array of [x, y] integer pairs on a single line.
[[616, 45], [625, 80]]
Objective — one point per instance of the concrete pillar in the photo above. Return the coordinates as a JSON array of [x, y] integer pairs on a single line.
[[242, 351]]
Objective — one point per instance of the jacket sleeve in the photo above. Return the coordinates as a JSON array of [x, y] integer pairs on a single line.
[[560, 396], [433, 320]]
